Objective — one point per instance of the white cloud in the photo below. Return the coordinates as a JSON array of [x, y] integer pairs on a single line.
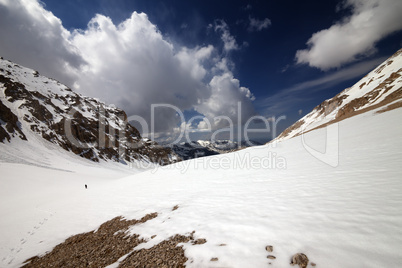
[[256, 25], [228, 40], [353, 37], [130, 64], [35, 37], [191, 59], [227, 95]]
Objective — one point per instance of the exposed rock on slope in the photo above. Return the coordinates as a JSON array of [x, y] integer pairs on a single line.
[[111, 244], [380, 88], [85, 126], [11, 123]]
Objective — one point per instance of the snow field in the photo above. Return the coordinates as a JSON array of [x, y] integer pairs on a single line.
[[343, 216]]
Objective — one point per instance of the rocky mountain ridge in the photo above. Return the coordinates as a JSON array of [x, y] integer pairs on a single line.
[[201, 148], [85, 126]]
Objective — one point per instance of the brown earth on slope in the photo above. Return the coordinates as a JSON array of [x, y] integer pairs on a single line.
[[98, 248], [326, 107], [111, 243], [350, 109], [164, 254], [388, 100]]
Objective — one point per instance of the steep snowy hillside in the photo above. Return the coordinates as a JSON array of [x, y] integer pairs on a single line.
[[380, 88], [256, 207], [85, 126]]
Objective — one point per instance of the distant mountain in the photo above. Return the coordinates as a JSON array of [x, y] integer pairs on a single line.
[[201, 148], [381, 89], [31, 103]]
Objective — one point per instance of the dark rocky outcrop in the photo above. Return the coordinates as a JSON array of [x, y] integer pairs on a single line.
[[9, 124]]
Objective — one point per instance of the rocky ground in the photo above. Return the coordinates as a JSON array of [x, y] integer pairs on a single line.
[[111, 243]]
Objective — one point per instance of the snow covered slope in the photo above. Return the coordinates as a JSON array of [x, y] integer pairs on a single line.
[[31, 103], [344, 216], [380, 88]]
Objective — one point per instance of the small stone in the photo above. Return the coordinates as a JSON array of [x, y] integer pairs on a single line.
[[175, 207], [313, 264], [214, 259], [199, 241], [269, 248], [152, 237], [222, 245], [272, 257], [299, 259]]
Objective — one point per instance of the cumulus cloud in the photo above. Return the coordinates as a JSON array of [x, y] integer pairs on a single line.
[[130, 64], [227, 99], [353, 37], [256, 25], [35, 37]]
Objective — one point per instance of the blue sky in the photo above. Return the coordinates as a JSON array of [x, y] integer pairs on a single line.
[[275, 57]]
